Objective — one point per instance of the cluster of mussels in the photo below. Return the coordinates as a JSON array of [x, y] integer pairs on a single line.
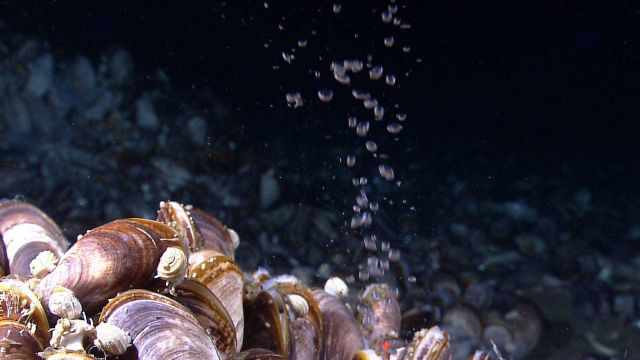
[[169, 288]]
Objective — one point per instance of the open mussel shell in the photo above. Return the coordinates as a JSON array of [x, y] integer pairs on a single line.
[[178, 216], [341, 334], [214, 234], [209, 311], [267, 323], [428, 344], [223, 277], [26, 231], [160, 327], [24, 329], [114, 257], [305, 319]]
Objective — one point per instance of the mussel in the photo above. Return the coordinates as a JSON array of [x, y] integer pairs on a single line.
[[24, 330], [26, 231], [111, 258], [160, 327]]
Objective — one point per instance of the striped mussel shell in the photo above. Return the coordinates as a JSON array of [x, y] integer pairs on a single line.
[[26, 231], [342, 336], [223, 277], [24, 329], [111, 258], [200, 229], [209, 311], [380, 317], [160, 327]]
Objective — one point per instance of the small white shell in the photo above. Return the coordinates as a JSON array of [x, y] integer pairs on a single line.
[[43, 264], [173, 265], [64, 304], [235, 238], [336, 287], [298, 304], [111, 339]]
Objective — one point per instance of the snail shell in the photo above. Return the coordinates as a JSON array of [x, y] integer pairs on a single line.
[[160, 328], [110, 258], [223, 277], [341, 334], [24, 329], [26, 231]]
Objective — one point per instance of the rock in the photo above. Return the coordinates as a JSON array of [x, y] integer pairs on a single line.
[[269, 189], [121, 67], [146, 117], [197, 130], [40, 75]]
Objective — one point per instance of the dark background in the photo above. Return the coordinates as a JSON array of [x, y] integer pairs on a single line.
[[549, 72]]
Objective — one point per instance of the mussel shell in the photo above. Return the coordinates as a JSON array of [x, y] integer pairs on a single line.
[[114, 257], [342, 337], [160, 328], [223, 277], [214, 234], [178, 217], [259, 354], [305, 331], [16, 342], [4, 261], [17, 300], [209, 311], [428, 344], [380, 316], [26, 231], [267, 323]]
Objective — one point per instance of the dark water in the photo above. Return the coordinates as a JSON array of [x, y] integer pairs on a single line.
[[522, 120]]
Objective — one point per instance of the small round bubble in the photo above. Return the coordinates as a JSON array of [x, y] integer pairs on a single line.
[[351, 160], [394, 128], [371, 146], [376, 72], [389, 41], [386, 172], [394, 255], [362, 128], [378, 112], [325, 95], [387, 17], [390, 80]]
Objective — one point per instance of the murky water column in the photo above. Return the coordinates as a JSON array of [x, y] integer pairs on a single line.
[[361, 66]]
